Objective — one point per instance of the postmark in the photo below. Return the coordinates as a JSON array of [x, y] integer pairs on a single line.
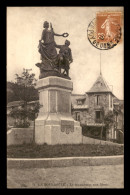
[[104, 31]]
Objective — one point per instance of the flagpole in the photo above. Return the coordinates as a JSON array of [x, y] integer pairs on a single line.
[[100, 63]]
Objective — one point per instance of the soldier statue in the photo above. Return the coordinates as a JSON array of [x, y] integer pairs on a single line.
[[64, 57]]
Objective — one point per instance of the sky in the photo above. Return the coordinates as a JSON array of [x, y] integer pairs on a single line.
[[24, 29]]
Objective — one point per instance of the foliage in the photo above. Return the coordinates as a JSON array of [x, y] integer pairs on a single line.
[[109, 119], [18, 113], [24, 90], [25, 111], [17, 92], [93, 132], [21, 124], [32, 112]]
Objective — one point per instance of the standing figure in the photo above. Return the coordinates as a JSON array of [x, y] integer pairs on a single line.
[[64, 57], [47, 44]]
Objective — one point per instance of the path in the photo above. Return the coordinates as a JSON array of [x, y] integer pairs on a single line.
[[106, 176]]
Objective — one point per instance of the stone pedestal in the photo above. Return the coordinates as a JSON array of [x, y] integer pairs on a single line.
[[55, 124]]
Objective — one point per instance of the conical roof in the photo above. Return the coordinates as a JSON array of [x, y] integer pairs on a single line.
[[100, 85]]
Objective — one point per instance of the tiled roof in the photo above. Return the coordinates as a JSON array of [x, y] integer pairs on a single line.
[[83, 98], [75, 97], [100, 85], [116, 100]]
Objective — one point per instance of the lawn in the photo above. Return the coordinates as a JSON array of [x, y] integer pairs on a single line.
[[66, 150]]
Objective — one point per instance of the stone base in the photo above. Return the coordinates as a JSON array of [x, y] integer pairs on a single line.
[[45, 74], [55, 124], [57, 129], [47, 71]]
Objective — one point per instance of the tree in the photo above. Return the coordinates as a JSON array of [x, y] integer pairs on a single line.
[[109, 120], [16, 92], [25, 85], [24, 90]]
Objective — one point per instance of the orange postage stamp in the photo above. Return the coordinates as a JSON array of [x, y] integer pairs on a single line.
[[104, 31], [108, 27]]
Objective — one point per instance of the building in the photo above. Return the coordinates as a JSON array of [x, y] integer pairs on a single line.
[[91, 108]]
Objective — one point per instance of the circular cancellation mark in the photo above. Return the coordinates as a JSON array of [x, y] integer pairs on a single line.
[[101, 36]]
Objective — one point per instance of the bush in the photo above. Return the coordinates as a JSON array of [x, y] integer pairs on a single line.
[[93, 132], [21, 124]]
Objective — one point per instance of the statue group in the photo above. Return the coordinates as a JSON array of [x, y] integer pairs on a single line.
[[53, 63]]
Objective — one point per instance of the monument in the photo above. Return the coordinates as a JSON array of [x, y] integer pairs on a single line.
[[54, 124]]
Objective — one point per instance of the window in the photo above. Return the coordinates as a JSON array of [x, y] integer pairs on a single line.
[[98, 114], [79, 102], [98, 117], [77, 116], [97, 100]]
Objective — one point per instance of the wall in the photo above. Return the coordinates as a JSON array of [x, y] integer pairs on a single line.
[[10, 120], [83, 115], [17, 136], [104, 102], [88, 140], [88, 116]]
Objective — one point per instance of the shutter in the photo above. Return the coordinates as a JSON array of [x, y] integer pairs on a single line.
[[100, 100], [95, 99]]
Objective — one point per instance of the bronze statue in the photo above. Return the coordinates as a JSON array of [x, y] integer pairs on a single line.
[[52, 63]]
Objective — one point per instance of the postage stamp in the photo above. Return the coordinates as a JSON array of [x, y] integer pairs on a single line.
[[104, 31]]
